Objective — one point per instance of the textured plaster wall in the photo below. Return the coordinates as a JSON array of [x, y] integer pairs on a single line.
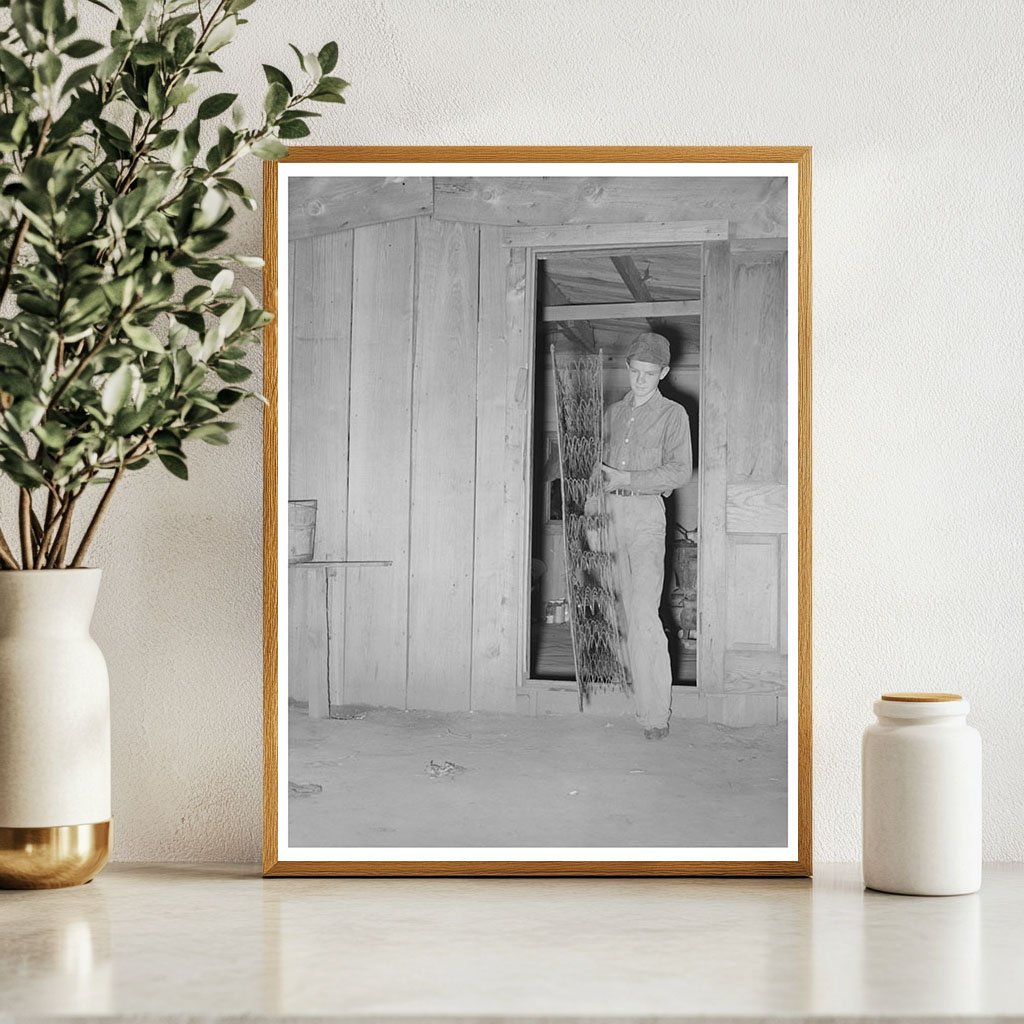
[[914, 113]]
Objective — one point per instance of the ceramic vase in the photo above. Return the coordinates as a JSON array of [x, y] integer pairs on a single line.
[[921, 771], [54, 731]]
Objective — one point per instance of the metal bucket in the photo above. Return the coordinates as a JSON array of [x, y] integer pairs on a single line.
[[301, 530]]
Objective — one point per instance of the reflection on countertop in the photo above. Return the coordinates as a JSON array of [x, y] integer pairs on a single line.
[[180, 940]]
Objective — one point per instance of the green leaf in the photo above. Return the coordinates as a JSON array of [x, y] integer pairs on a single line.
[[133, 13], [14, 68], [328, 58], [211, 433], [21, 471], [232, 319], [193, 379], [27, 23], [11, 355], [335, 84], [26, 414], [211, 208], [53, 435], [311, 66], [83, 48], [53, 15], [227, 397], [49, 68], [221, 35], [293, 130], [149, 53], [175, 464], [116, 134], [116, 390], [276, 100], [325, 96], [216, 104], [37, 304], [109, 65], [128, 421], [184, 44], [164, 376], [232, 373], [144, 338], [181, 94], [163, 139], [77, 79], [129, 207], [269, 149], [222, 282], [255, 262], [274, 76]]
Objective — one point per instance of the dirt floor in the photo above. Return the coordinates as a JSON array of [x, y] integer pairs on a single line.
[[417, 778]]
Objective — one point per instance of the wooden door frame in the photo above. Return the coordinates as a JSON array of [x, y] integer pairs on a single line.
[[527, 245]]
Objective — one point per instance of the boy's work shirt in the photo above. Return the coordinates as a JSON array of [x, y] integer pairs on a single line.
[[651, 443]]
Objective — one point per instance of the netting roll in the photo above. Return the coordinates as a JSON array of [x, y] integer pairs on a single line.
[[591, 583]]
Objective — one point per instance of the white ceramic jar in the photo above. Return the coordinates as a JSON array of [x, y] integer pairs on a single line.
[[921, 790]]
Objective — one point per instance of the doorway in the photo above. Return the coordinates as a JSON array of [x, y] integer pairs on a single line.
[[595, 302]]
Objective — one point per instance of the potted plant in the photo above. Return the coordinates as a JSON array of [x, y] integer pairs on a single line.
[[122, 342]]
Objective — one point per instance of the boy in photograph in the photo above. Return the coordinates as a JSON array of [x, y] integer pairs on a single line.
[[647, 455]]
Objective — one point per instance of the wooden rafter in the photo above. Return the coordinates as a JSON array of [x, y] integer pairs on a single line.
[[578, 331], [634, 281], [622, 310]]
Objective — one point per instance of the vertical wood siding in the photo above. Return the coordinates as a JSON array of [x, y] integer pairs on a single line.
[[444, 399], [377, 599], [495, 622]]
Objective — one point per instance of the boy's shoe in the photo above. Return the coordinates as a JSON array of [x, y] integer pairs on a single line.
[[658, 733]]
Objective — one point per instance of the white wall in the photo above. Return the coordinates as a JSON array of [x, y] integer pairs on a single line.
[[914, 113]]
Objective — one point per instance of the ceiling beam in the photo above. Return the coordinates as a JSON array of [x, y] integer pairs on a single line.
[[622, 310], [578, 331], [634, 281]]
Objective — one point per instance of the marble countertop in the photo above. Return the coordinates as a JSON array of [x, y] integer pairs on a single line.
[[176, 941]]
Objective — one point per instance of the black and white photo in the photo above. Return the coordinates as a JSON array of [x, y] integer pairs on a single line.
[[537, 549]]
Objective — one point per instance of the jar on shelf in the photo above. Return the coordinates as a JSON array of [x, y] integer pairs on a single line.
[[921, 794]]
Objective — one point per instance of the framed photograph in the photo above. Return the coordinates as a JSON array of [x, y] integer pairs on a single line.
[[538, 511]]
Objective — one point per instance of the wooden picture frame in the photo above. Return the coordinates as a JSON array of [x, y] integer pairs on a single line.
[[754, 246]]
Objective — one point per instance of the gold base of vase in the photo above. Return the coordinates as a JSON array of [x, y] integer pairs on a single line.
[[51, 858]]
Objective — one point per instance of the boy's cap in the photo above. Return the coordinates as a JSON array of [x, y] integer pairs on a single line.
[[649, 348]]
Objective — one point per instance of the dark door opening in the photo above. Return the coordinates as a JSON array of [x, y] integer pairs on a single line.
[[597, 302]]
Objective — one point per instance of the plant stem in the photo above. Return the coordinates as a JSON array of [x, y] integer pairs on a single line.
[[6, 554], [25, 522], [87, 357], [19, 235], [97, 516], [56, 556], [51, 509], [12, 255], [37, 529], [54, 510]]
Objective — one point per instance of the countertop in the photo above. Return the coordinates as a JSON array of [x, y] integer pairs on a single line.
[[176, 941]]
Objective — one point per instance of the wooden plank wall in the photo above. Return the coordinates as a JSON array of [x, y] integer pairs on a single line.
[[377, 602], [409, 434], [716, 343], [444, 401], [320, 304], [756, 207], [756, 494], [495, 615]]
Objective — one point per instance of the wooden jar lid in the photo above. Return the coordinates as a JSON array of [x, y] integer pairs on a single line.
[[920, 698]]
